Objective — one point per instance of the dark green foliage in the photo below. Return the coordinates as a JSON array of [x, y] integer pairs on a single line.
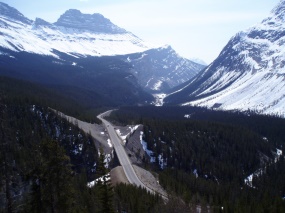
[[129, 198], [52, 189], [211, 153], [37, 174], [267, 126], [46, 163], [212, 149], [59, 98], [104, 188], [95, 81]]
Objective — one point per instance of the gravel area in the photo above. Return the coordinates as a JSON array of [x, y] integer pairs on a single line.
[[98, 132], [149, 180], [136, 154], [118, 176]]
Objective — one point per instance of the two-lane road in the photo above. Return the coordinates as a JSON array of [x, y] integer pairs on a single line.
[[122, 155]]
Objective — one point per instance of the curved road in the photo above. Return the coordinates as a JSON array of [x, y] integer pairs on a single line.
[[122, 155]]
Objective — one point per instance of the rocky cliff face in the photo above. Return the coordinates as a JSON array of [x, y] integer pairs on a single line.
[[10, 12], [161, 69], [96, 23]]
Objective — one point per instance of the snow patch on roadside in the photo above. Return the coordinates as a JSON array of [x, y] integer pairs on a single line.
[[109, 143], [124, 137]]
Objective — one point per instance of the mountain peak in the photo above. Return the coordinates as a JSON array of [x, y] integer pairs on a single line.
[[41, 22], [96, 22], [248, 73], [279, 10], [12, 13]]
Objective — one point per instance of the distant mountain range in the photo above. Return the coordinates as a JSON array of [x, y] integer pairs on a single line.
[[87, 54], [84, 43], [249, 73]]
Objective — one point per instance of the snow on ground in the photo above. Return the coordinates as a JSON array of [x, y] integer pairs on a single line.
[[256, 174], [187, 116], [278, 155], [107, 177], [162, 162], [259, 85], [159, 99], [157, 85], [279, 152], [109, 143], [149, 152], [78, 149], [107, 160], [45, 39], [131, 130], [248, 180], [195, 172], [249, 92]]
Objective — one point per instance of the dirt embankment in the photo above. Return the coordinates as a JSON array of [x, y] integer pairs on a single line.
[[98, 132], [133, 148]]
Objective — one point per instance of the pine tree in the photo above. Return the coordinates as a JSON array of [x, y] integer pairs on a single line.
[[52, 180], [105, 190], [6, 158]]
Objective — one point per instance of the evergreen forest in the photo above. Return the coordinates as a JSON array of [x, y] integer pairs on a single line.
[[206, 160], [205, 156]]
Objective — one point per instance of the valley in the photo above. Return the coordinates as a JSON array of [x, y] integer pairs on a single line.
[[95, 119]]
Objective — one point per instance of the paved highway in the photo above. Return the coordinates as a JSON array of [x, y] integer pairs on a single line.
[[122, 155]]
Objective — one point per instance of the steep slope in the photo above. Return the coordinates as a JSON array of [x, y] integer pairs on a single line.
[[248, 74], [73, 33], [104, 79], [89, 52], [160, 69]]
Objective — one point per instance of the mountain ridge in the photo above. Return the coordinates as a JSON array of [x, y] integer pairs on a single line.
[[10, 12], [74, 32], [83, 35], [248, 73], [96, 22]]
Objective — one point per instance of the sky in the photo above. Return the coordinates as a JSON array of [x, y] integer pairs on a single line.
[[195, 29]]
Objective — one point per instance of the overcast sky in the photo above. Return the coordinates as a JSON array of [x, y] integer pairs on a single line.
[[194, 28]]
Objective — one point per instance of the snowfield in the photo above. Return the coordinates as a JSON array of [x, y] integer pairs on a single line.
[[250, 71], [45, 39]]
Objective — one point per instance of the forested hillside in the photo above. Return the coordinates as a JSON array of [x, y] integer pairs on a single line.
[[28, 92], [206, 156], [46, 162], [41, 156]]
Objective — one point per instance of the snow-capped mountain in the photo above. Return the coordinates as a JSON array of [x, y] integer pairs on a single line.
[[160, 69], [74, 33], [249, 73], [199, 61], [82, 35]]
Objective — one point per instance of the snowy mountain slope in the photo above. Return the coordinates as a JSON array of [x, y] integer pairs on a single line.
[[158, 70], [80, 35], [249, 73], [74, 33]]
